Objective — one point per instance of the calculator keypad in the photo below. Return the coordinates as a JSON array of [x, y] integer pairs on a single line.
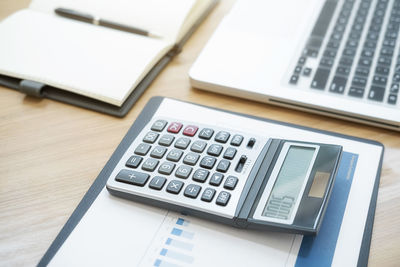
[[177, 160]]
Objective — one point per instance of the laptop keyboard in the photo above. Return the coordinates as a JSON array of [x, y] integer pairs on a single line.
[[355, 52]]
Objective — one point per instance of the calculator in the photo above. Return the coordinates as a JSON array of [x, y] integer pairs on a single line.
[[228, 175]]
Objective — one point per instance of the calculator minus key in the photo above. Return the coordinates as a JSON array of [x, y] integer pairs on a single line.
[[159, 125], [157, 182], [132, 177]]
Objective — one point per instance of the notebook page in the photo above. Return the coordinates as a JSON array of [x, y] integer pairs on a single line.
[[97, 62], [162, 17]]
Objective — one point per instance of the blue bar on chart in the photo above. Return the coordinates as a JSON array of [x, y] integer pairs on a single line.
[[182, 222], [162, 263], [179, 244], [176, 255], [182, 233]]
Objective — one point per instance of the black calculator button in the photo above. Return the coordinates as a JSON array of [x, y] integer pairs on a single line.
[[157, 182], [174, 155], [223, 165], [200, 175], [192, 191], [216, 179], [230, 182], [182, 142], [150, 164], [142, 149], [230, 153], [166, 168], [206, 133], [208, 195], [198, 146], [159, 125], [214, 150], [208, 162], [222, 137], [134, 161], [251, 142], [174, 186], [191, 158], [166, 140], [237, 140], [132, 177], [158, 152], [174, 127], [183, 171], [223, 198], [150, 137]]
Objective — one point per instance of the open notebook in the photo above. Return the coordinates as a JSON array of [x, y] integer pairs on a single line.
[[89, 65]]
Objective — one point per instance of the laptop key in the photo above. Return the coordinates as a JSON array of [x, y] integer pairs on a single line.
[[392, 99], [356, 92], [320, 79], [376, 93], [338, 85]]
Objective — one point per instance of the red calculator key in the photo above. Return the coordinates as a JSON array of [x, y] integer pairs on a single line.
[[190, 130], [175, 127]]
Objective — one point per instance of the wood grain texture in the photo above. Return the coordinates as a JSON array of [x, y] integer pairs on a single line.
[[51, 152]]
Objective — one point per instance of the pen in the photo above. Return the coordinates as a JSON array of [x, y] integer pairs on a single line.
[[76, 15]]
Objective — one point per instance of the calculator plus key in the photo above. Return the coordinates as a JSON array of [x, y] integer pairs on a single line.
[[142, 149], [175, 127], [132, 177], [157, 182], [133, 162], [223, 198], [192, 191], [174, 186]]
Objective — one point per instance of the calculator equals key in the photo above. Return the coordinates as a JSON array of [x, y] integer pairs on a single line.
[[194, 168]]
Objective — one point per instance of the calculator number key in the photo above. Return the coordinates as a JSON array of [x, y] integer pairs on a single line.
[[158, 152], [198, 146], [182, 142], [150, 164], [150, 137], [174, 155], [183, 171], [191, 158], [166, 168], [192, 191], [208, 195], [223, 198], [132, 177], [174, 186], [158, 125]]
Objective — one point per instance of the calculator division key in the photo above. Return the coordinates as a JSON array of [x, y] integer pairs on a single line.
[[216, 179], [166, 140], [222, 137], [223, 165], [142, 149], [133, 162], [198, 146], [192, 191], [174, 155], [150, 164], [190, 130], [214, 150], [237, 140], [132, 177], [230, 153], [174, 186], [182, 142], [166, 168], [191, 158], [231, 182], [158, 152], [157, 182], [150, 137], [208, 194], [207, 162], [223, 198], [200, 175], [159, 125], [183, 171], [206, 133], [174, 127]]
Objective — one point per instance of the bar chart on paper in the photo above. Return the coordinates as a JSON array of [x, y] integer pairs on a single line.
[[172, 245]]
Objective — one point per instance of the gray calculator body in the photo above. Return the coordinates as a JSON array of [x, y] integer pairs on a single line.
[[228, 175]]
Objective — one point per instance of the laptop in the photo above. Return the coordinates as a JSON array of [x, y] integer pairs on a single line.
[[334, 57]]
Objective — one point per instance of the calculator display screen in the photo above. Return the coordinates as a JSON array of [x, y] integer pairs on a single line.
[[289, 182]]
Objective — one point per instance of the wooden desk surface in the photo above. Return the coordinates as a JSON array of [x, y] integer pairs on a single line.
[[51, 152]]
